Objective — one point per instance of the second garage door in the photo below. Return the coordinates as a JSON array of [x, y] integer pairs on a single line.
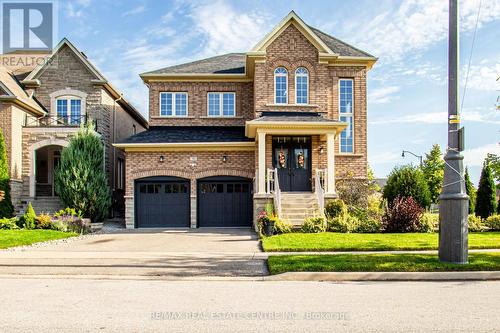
[[225, 202], [162, 202]]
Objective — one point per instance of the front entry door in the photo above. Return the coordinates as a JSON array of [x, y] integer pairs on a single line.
[[292, 158]]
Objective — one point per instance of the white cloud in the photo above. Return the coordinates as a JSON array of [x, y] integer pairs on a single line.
[[476, 156], [386, 157], [483, 76], [383, 95], [134, 11], [225, 30], [416, 25]]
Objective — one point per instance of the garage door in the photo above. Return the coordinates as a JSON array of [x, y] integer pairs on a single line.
[[225, 202], [162, 202]]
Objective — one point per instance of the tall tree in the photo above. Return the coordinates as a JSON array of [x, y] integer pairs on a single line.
[[433, 169], [407, 181], [471, 192], [486, 202], [494, 161], [6, 208], [80, 178]]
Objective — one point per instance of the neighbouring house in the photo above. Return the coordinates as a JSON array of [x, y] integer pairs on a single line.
[[42, 107], [280, 122]]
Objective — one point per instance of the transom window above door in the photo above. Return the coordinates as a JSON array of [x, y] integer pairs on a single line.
[[68, 110], [221, 104], [173, 104]]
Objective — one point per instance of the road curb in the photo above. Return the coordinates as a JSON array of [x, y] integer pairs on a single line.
[[385, 276]]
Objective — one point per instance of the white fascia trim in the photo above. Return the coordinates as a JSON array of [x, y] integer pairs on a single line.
[[185, 144]]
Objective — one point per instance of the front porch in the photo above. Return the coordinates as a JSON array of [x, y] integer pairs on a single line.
[[295, 163]]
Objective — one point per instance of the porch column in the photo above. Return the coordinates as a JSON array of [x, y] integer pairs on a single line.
[[261, 138], [330, 160]]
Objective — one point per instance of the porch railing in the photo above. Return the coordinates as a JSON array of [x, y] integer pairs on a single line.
[[273, 187], [58, 121], [320, 189]]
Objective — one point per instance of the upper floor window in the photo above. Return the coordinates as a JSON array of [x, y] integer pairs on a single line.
[[221, 104], [173, 104], [301, 85], [280, 85], [69, 110], [346, 115]]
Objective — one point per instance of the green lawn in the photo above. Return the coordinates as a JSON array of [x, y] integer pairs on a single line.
[[10, 238], [379, 263], [329, 241]]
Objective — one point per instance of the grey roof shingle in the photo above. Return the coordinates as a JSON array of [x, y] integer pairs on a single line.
[[231, 63], [338, 46], [234, 63], [294, 116], [187, 134]]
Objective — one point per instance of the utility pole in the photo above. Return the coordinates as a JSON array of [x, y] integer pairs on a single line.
[[453, 201]]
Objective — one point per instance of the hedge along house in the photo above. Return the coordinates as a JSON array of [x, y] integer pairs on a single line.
[[227, 134], [42, 107]]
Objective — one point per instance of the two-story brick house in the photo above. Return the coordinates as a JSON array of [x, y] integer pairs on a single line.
[[42, 107], [229, 133]]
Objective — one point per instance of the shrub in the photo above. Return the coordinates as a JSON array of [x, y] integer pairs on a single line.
[[80, 178], [368, 225], [281, 227], [8, 223], [28, 220], [403, 215], [405, 182], [428, 222], [334, 208], [493, 222], [44, 221], [471, 191], [269, 208], [353, 192], [475, 223], [314, 225], [68, 212], [68, 223], [343, 223], [6, 207], [486, 201]]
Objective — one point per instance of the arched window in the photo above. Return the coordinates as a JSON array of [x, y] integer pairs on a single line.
[[68, 107], [301, 85], [280, 86]]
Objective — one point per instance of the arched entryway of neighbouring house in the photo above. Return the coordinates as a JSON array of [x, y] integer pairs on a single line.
[[44, 158]]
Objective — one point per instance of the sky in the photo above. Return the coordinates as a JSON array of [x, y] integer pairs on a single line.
[[407, 87]]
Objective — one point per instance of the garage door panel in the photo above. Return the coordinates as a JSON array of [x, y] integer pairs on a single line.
[[224, 203], [162, 204]]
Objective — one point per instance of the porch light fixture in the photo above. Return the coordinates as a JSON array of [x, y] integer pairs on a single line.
[[321, 149], [161, 159], [224, 158]]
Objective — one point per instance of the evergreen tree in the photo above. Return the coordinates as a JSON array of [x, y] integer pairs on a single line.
[[494, 163], [471, 192], [407, 181], [433, 169], [80, 178], [486, 201], [6, 208]]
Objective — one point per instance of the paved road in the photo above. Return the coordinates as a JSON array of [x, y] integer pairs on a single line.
[[168, 254], [83, 305]]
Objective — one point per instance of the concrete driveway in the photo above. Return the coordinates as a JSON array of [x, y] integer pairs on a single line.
[[148, 253]]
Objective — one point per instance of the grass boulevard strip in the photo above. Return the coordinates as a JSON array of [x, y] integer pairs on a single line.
[[328, 241], [379, 263], [11, 238]]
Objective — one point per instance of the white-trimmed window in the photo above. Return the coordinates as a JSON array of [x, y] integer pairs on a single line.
[[301, 85], [221, 104], [69, 110], [346, 113], [281, 85], [173, 104]]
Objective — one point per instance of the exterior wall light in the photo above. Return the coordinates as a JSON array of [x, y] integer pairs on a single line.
[[321, 149], [161, 159], [224, 158]]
